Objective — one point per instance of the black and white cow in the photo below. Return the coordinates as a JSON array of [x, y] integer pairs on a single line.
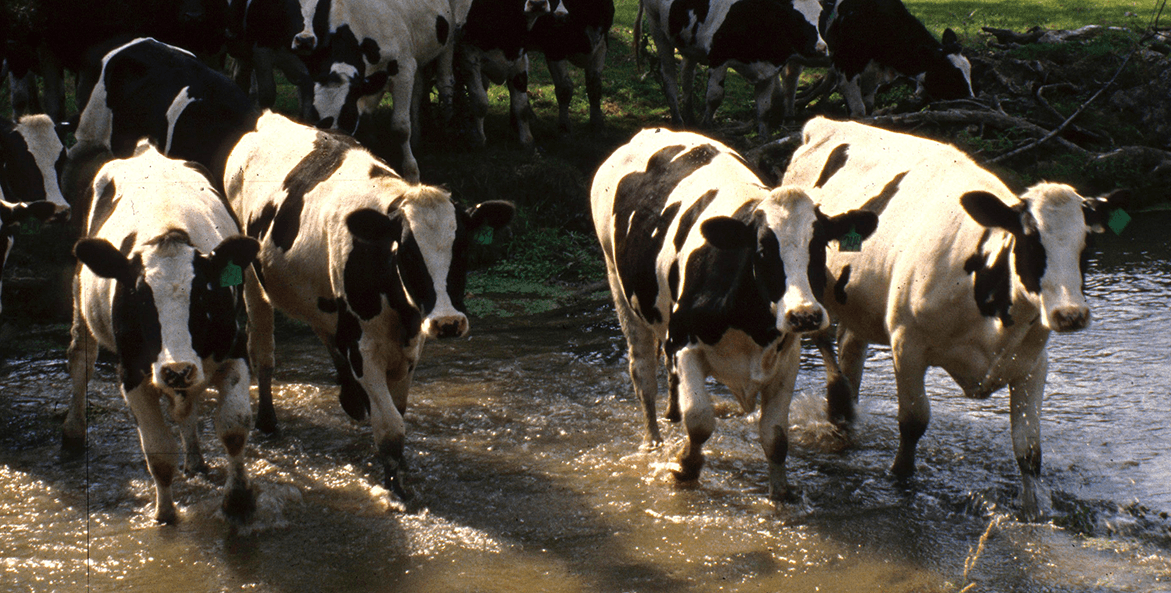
[[155, 286], [268, 34], [374, 264], [371, 43], [720, 271], [961, 274], [164, 93], [874, 41], [31, 159], [580, 37], [757, 38]]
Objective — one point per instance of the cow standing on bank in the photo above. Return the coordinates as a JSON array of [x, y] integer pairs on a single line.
[[720, 272], [872, 42], [374, 264], [155, 286], [148, 89], [757, 38], [961, 274], [579, 37]]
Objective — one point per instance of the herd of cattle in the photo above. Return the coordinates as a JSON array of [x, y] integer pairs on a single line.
[[204, 210]]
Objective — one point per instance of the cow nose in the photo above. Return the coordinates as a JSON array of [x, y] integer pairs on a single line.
[[1068, 319], [538, 6], [304, 42], [804, 320], [821, 47], [61, 215], [178, 375]]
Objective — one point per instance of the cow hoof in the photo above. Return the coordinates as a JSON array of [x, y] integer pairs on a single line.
[[193, 468], [239, 504], [268, 428], [167, 516], [72, 447], [650, 444], [787, 495], [673, 415], [688, 469]]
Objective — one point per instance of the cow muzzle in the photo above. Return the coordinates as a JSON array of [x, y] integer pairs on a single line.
[[804, 319], [449, 326], [1070, 318], [179, 375], [304, 42]]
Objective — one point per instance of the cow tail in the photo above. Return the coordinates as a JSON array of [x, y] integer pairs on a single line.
[[637, 43]]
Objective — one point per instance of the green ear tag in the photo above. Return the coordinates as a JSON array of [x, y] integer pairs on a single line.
[[232, 275], [851, 241], [484, 236], [1118, 221]]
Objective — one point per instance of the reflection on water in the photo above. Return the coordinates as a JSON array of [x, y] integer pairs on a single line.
[[522, 450]]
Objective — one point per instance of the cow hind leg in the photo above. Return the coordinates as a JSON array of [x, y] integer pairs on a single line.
[[914, 407], [765, 90], [83, 353], [715, 94], [593, 80], [642, 350], [839, 399], [260, 350], [1025, 398], [518, 98], [232, 420], [698, 415], [403, 89], [563, 86]]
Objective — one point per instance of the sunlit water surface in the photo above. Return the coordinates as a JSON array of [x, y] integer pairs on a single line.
[[524, 464]]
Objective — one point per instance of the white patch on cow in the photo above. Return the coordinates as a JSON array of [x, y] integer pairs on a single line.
[[811, 10], [329, 99], [182, 100], [40, 135], [964, 66], [1057, 210], [169, 273], [790, 214]]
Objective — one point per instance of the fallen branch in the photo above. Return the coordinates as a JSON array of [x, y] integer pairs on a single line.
[[968, 117], [1005, 36]]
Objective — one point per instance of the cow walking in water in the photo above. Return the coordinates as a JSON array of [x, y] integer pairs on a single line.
[[155, 286], [721, 273], [961, 273], [374, 264]]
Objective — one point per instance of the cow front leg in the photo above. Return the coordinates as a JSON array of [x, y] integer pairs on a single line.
[[698, 415], [914, 407], [851, 90], [1025, 397], [260, 350], [83, 353], [158, 446], [839, 399], [687, 74], [593, 79], [765, 90], [774, 418], [563, 88], [477, 94], [790, 80], [232, 421], [186, 414], [668, 72]]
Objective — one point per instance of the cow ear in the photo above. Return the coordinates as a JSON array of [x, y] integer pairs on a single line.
[[103, 259], [1097, 211], [20, 211], [863, 222], [374, 83], [371, 226], [989, 211], [237, 249], [723, 232], [494, 213], [951, 42]]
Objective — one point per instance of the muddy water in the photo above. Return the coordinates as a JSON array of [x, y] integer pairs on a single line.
[[523, 454]]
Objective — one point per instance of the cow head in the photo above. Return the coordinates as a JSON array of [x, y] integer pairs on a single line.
[[535, 9], [812, 44], [171, 307], [788, 235], [427, 238], [1049, 228], [305, 40], [339, 97], [33, 157], [949, 73], [11, 214]]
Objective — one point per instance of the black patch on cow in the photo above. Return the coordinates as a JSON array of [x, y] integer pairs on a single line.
[[721, 293], [878, 203], [1030, 254], [991, 284], [442, 29], [640, 199], [840, 285], [215, 311], [673, 279], [354, 399], [759, 31], [680, 19], [327, 155], [258, 227], [128, 243], [371, 52], [690, 215], [138, 336], [833, 164], [767, 266], [497, 25]]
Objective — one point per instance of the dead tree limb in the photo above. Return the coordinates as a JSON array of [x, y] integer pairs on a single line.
[[967, 117]]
